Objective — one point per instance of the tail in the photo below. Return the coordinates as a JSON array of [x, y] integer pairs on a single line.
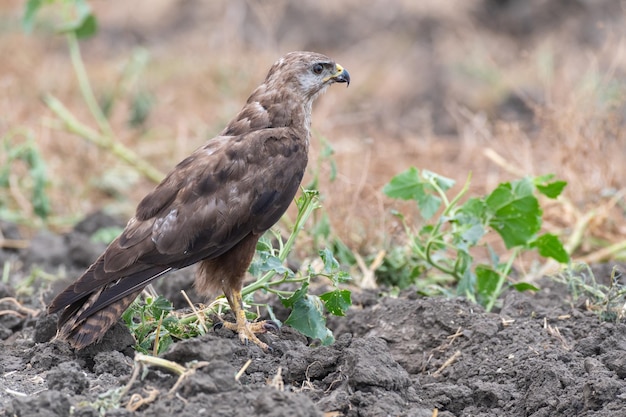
[[98, 299]]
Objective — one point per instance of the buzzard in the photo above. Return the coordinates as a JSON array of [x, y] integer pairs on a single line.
[[211, 208]]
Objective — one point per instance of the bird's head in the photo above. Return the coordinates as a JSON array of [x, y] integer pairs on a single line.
[[308, 73], [286, 96]]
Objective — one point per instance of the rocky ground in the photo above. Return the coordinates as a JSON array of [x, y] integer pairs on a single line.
[[539, 355]]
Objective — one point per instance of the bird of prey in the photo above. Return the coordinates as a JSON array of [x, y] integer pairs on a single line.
[[211, 209]]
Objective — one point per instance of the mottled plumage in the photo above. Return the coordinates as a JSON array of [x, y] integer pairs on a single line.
[[211, 208]]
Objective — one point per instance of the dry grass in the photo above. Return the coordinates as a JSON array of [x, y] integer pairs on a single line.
[[430, 89]]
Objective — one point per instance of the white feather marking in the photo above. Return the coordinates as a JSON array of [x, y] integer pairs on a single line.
[[163, 225]]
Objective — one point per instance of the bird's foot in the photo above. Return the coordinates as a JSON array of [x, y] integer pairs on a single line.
[[248, 331]]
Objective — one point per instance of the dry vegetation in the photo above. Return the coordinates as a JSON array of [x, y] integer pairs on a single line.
[[499, 89]]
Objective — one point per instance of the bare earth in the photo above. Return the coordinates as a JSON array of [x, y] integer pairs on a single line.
[[407, 356], [439, 85]]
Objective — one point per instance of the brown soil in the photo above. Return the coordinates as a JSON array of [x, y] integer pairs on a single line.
[[539, 355]]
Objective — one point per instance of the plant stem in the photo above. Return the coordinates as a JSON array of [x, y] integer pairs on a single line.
[[85, 86], [73, 125], [459, 195], [502, 279], [160, 362]]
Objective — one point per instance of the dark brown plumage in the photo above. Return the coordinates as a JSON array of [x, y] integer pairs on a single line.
[[212, 208]]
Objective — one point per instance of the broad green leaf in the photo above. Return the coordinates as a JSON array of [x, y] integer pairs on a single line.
[[523, 187], [266, 262], [470, 223], [337, 301], [468, 235], [552, 189], [474, 210], [486, 282], [442, 182], [87, 28], [524, 286], [549, 246], [264, 245], [428, 205], [165, 341], [297, 295], [307, 316], [160, 306], [514, 212], [85, 24], [406, 185]]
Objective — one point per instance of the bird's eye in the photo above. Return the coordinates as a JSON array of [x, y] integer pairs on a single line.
[[318, 68]]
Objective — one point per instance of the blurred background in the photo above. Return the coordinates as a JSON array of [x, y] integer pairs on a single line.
[[498, 88]]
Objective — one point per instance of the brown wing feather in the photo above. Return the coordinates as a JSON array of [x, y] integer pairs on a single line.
[[221, 195]]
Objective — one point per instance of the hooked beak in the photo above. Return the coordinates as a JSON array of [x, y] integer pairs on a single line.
[[341, 76]]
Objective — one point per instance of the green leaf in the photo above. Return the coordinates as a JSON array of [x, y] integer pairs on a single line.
[[553, 189], [406, 185], [267, 262], [264, 244], [468, 235], [85, 24], [307, 315], [160, 306], [467, 285], [337, 301], [524, 286], [514, 212], [549, 246], [330, 263], [428, 205], [31, 9], [440, 181], [298, 294], [470, 223], [474, 210], [487, 281], [165, 341]]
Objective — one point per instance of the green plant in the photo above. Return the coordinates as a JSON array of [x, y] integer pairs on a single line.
[[155, 324], [608, 301], [76, 21], [445, 244], [27, 190]]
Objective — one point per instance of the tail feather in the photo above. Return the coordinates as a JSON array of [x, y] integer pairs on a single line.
[[83, 332], [88, 314], [132, 284]]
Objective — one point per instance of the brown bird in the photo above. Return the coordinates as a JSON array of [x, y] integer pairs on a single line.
[[211, 208]]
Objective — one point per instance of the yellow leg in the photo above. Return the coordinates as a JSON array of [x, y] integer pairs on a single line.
[[246, 330]]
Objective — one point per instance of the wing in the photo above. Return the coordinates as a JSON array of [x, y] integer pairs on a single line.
[[213, 199], [232, 186]]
